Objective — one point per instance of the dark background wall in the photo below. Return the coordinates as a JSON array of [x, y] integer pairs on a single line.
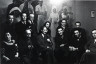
[[4, 3], [82, 13]]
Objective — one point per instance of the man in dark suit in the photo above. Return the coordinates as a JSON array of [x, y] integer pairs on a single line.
[[45, 46], [76, 46], [90, 56], [27, 47], [22, 25], [78, 27], [61, 41]]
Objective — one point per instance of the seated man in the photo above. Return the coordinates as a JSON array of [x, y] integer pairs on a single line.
[[76, 46], [90, 56], [45, 46], [61, 43], [26, 47], [78, 27]]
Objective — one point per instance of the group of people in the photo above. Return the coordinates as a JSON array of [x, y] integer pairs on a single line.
[[49, 41]]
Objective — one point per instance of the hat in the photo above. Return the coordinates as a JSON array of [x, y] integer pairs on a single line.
[[15, 8]]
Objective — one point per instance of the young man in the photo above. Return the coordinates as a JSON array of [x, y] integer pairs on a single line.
[[61, 43], [76, 46], [90, 56]]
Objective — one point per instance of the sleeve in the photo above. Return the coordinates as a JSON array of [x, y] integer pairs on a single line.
[[87, 45], [2, 49], [40, 44]]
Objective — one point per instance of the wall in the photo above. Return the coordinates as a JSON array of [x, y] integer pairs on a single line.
[[5, 3], [82, 13]]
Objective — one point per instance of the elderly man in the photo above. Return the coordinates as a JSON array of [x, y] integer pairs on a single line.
[[41, 11]]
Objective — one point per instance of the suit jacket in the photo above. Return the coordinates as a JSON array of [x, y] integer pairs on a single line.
[[91, 46], [20, 29], [78, 43], [43, 43]]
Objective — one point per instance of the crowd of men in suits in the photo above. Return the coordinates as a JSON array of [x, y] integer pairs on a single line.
[[25, 42]]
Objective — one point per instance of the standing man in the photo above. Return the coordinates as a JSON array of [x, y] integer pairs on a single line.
[[41, 11]]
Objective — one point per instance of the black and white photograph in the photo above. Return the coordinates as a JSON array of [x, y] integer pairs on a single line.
[[47, 32]]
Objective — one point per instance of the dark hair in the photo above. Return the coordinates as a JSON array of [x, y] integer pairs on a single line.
[[78, 22], [60, 21], [47, 22], [57, 30], [41, 29]]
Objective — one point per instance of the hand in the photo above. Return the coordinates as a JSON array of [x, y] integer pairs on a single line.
[[74, 49], [47, 46], [87, 50], [71, 48], [17, 55], [6, 58], [61, 45], [48, 40], [29, 46]]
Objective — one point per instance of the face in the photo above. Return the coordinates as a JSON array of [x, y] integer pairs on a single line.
[[28, 33], [60, 31], [54, 10], [11, 18], [77, 33], [8, 36], [24, 16], [65, 10], [63, 23], [44, 30], [77, 24], [47, 25], [94, 34], [31, 17]]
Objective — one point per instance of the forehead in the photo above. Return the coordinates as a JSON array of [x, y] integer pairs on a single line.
[[28, 31], [77, 23], [64, 21], [94, 32], [32, 15], [11, 16], [47, 23], [60, 29], [76, 31], [44, 28], [24, 14], [8, 33]]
